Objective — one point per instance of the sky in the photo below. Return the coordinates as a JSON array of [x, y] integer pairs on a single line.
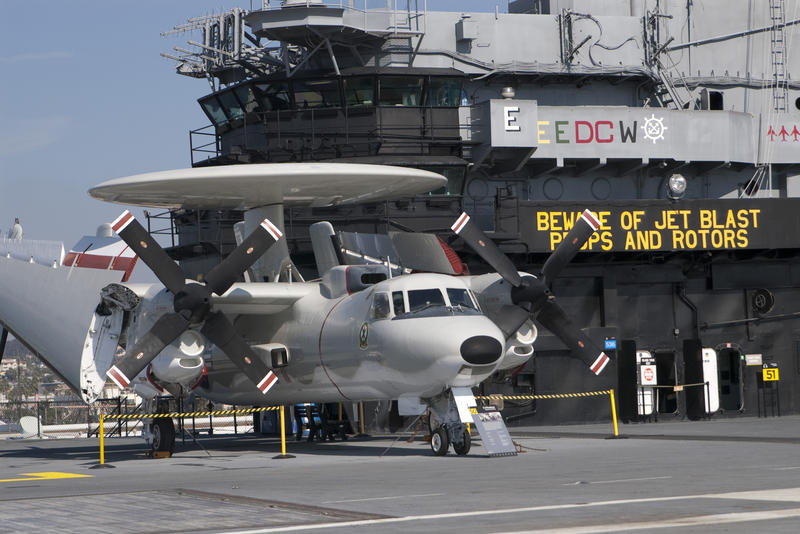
[[85, 97]]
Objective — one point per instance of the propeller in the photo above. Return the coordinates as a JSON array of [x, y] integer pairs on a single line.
[[531, 295], [192, 303]]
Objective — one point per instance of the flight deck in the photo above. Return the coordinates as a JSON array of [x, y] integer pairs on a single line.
[[708, 476]]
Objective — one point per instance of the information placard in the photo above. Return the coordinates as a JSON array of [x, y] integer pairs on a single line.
[[494, 434]]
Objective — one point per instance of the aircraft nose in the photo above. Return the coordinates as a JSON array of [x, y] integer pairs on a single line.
[[481, 350]]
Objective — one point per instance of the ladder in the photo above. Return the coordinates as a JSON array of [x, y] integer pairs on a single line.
[[668, 93], [780, 93]]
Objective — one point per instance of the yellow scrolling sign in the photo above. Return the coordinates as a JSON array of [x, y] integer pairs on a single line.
[[638, 226]]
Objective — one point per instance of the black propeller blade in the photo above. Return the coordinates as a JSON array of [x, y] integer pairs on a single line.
[[552, 317], [486, 249], [223, 275], [532, 295], [586, 225], [136, 237], [166, 330], [219, 330], [192, 302]]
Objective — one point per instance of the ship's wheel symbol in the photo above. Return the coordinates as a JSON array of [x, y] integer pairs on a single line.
[[654, 128]]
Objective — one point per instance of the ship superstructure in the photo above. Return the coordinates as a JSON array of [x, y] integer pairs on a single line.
[[677, 123]]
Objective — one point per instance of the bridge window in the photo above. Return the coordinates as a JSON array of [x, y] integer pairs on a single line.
[[359, 91], [400, 90], [214, 111], [443, 92], [272, 96], [247, 97], [231, 105], [316, 93]]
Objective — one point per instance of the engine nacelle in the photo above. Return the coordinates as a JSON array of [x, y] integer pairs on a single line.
[[182, 361], [519, 348], [492, 291]]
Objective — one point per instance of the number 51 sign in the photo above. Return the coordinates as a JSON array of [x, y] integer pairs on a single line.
[[769, 373]]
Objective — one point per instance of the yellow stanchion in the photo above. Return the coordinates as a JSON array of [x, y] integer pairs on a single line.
[[283, 432], [613, 412], [283, 454], [361, 432], [101, 435]]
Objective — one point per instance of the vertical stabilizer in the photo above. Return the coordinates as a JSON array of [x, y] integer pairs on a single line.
[[324, 252]]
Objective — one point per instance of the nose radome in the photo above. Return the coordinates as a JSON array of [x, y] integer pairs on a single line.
[[481, 350]]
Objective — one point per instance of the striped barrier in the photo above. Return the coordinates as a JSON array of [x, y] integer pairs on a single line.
[[609, 392], [171, 415], [549, 396]]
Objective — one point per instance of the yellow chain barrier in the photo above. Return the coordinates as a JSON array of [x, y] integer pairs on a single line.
[[550, 396], [609, 392], [242, 411], [171, 415]]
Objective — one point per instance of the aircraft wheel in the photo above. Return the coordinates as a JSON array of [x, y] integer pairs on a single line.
[[440, 441], [463, 449], [163, 434]]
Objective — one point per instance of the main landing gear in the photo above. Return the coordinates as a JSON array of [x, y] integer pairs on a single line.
[[446, 428], [159, 432], [163, 430]]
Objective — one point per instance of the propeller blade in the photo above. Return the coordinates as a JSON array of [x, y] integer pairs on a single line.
[[166, 330], [552, 317], [486, 249], [586, 225], [136, 237], [219, 330], [509, 319], [225, 274]]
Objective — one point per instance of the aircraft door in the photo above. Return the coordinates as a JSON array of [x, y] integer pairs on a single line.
[[647, 377], [731, 383]]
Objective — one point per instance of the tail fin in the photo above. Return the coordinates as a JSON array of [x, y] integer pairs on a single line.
[[325, 254]]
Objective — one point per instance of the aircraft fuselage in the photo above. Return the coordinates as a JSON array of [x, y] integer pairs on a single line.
[[383, 342]]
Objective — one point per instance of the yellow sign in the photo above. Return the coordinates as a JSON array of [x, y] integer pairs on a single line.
[[639, 226], [770, 374], [44, 476]]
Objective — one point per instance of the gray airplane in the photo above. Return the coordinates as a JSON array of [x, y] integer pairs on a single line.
[[359, 333]]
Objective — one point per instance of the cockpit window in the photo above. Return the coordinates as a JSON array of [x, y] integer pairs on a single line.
[[419, 299], [460, 297], [380, 306], [399, 302]]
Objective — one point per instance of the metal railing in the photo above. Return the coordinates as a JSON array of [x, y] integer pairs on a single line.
[[405, 15], [74, 419], [328, 133], [64, 418]]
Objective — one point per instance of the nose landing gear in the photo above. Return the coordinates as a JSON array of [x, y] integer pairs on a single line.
[[440, 441], [446, 427]]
